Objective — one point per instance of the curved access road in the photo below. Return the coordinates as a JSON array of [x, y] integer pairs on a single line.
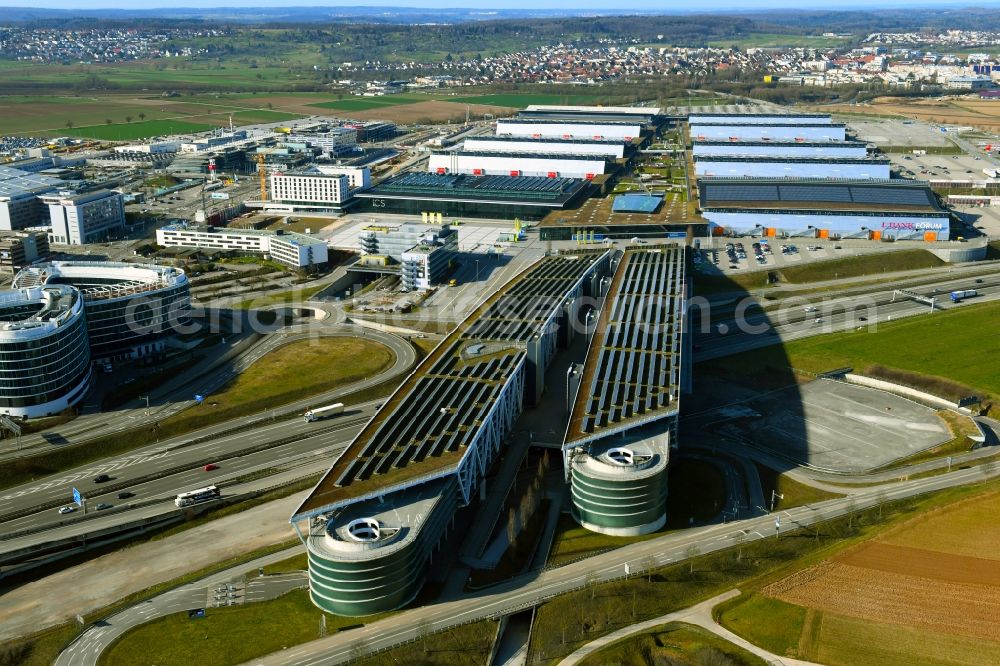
[[217, 441]]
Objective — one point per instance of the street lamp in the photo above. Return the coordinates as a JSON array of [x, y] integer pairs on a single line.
[[570, 371], [775, 494]]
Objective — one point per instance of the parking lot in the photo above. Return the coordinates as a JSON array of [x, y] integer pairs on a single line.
[[985, 219], [939, 167], [898, 132], [715, 257], [838, 426]]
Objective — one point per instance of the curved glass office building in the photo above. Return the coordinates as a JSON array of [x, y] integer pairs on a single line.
[[129, 307], [44, 354]]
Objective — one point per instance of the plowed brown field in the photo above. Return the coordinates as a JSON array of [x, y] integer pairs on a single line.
[[937, 572]]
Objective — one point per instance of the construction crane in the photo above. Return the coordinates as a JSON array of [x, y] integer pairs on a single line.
[[262, 175]]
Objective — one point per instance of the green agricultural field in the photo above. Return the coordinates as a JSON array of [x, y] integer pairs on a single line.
[[770, 39], [43, 114], [138, 130]]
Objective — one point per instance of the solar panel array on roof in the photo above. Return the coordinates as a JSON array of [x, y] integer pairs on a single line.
[[636, 203], [813, 193], [510, 187], [867, 193], [447, 403], [442, 411], [633, 365], [909, 197], [742, 192]]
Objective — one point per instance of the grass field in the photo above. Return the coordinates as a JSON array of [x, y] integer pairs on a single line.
[[229, 635], [139, 130], [151, 115], [926, 591], [677, 644], [301, 368], [792, 492], [770, 39], [952, 345], [465, 645]]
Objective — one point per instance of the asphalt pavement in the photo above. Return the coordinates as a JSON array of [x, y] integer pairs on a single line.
[[534, 588]]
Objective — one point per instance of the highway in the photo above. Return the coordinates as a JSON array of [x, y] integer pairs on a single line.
[[792, 322], [178, 395], [178, 461], [149, 474]]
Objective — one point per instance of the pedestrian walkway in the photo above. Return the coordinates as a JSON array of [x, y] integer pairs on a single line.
[[700, 615]]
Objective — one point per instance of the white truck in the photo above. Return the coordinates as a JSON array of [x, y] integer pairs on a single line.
[[323, 412]]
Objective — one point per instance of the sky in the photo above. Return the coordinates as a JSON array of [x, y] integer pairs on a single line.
[[669, 6]]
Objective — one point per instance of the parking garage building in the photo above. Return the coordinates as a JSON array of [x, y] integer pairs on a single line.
[[624, 415], [374, 521]]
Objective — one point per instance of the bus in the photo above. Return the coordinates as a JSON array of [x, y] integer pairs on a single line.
[[198, 496]]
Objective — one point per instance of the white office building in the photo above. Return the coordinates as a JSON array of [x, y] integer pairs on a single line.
[[308, 191], [292, 249], [359, 178], [90, 217], [331, 142]]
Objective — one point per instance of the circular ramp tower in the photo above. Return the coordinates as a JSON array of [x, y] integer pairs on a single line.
[[371, 557], [619, 491]]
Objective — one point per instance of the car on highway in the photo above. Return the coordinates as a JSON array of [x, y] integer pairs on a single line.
[[125, 494], [210, 467], [979, 280], [102, 506], [67, 509], [101, 478]]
